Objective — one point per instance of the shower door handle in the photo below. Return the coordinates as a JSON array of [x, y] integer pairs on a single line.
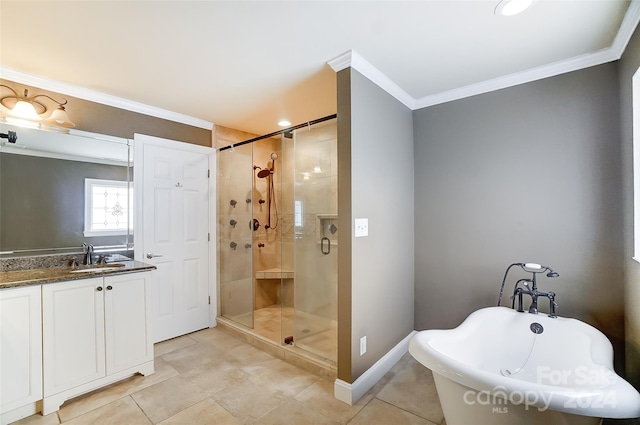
[[322, 247]]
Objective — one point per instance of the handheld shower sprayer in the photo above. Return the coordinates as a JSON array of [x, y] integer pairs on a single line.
[[537, 268], [533, 268], [268, 173]]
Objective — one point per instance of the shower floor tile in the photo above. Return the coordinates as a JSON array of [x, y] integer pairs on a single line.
[[316, 335]]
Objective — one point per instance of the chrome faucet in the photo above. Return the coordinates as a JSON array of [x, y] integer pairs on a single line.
[[88, 253]]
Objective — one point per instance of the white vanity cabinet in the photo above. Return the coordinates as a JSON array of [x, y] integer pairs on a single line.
[[95, 331], [20, 352]]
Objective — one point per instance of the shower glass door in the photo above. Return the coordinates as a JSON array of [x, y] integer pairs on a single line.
[[314, 214], [278, 250], [271, 274], [235, 217]]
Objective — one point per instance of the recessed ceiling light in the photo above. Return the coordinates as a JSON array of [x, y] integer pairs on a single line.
[[512, 7], [284, 123]]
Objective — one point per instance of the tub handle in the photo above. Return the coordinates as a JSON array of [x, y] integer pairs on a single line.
[[322, 247]]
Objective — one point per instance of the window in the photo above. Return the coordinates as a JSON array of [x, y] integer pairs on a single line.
[[106, 207], [297, 213]]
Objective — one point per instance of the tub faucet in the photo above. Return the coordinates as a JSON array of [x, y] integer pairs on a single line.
[[530, 288], [533, 292], [88, 253]]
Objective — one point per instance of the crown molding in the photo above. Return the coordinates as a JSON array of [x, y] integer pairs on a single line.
[[515, 79], [354, 60], [610, 54], [102, 98], [628, 26], [341, 62]]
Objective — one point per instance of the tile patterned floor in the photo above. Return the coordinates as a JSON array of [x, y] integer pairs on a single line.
[[271, 322], [212, 377]]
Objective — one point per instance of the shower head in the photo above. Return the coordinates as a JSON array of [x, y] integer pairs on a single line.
[[264, 173], [274, 156]]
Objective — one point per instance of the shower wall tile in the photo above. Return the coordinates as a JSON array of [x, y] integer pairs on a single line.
[[225, 136]]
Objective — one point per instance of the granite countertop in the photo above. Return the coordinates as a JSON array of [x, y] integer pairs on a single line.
[[11, 279]]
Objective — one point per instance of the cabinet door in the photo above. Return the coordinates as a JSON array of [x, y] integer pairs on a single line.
[[127, 321], [20, 347], [73, 333]]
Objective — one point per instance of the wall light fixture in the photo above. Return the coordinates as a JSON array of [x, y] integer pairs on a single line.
[[32, 108]]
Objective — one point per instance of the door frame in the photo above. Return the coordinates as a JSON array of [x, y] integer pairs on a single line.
[[141, 140]]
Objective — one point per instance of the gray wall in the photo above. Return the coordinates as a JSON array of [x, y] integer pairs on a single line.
[[629, 65], [381, 189], [43, 202], [529, 173], [103, 119]]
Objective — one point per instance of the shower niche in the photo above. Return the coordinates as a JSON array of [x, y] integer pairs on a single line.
[[279, 281]]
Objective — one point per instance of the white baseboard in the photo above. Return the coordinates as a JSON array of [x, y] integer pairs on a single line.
[[351, 393], [19, 413]]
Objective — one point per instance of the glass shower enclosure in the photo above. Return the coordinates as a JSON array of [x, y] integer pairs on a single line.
[[277, 210]]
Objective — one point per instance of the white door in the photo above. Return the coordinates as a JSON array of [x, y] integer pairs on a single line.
[[175, 232]]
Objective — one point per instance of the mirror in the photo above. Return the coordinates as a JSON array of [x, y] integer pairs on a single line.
[[58, 190]]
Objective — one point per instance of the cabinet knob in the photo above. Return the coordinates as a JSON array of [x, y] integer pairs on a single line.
[[109, 288], [99, 288]]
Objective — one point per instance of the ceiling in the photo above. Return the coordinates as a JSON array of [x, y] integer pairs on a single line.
[[248, 64]]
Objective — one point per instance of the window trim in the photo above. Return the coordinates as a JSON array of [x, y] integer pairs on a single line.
[[88, 207]]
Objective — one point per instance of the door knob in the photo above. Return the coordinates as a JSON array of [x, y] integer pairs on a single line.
[[150, 255]]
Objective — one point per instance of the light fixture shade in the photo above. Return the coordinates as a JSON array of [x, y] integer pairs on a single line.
[[25, 110], [60, 118]]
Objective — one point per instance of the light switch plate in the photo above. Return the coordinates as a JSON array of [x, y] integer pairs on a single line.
[[362, 227]]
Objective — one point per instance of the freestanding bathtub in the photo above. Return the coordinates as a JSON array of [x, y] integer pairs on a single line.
[[501, 366]]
